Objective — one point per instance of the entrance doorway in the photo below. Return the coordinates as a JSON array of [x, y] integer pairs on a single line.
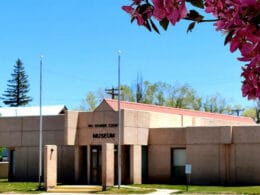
[[178, 161], [83, 165], [144, 164], [11, 171], [96, 165]]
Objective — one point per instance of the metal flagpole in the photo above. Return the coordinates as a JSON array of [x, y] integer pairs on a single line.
[[40, 127], [119, 123]]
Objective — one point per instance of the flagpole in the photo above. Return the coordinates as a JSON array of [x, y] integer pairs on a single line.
[[40, 126], [119, 123]]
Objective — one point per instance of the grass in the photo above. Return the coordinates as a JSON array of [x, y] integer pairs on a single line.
[[221, 189], [32, 188], [206, 189], [18, 187]]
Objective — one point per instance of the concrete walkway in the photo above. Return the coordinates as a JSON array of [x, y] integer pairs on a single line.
[[82, 190], [163, 192], [157, 192]]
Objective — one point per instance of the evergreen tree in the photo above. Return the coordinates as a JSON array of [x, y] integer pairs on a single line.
[[17, 87]]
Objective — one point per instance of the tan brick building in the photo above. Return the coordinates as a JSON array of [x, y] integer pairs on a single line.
[[157, 142]]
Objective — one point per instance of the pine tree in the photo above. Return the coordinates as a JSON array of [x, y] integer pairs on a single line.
[[17, 87]]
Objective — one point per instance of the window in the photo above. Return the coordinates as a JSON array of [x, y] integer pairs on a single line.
[[179, 157]]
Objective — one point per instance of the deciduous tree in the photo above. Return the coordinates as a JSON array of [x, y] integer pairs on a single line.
[[215, 103], [164, 94], [149, 92], [127, 93], [183, 97], [91, 101], [250, 112]]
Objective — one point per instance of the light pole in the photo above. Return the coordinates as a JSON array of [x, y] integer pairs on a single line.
[[40, 126], [119, 123]]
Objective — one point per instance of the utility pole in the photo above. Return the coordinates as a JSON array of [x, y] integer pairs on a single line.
[[237, 111], [113, 92]]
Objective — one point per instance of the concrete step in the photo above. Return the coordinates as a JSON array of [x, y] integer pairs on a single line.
[[75, 188]]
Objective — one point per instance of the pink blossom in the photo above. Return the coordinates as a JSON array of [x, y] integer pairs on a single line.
[[128, 9], [248, 2], [235, 18], [251, 84], [173, 10], [137, 2], [134, 14], [138, 12]]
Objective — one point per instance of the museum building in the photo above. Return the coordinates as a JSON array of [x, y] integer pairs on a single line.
[[157, 143]]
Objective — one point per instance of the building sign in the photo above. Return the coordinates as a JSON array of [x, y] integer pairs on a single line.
[[188, 169], [103, 135]]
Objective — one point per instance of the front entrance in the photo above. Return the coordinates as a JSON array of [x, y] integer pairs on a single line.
[[96, 165], [178, 161], [83, 165], [11, 171]]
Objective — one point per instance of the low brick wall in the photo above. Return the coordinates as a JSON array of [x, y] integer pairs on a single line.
[[3, 170]]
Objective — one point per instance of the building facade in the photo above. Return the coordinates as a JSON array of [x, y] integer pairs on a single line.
[[157, 143]]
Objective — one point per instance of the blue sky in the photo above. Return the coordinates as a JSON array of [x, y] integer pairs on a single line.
[[79, 40]]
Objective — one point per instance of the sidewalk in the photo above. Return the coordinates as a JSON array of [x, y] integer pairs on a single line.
[[158, 191], [163, 192]]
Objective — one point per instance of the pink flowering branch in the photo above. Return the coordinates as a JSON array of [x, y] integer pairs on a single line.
[[238, 19]]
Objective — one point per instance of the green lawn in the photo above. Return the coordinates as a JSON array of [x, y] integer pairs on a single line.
[[206, 189], [32, 187], [18, 187], [220, 189]]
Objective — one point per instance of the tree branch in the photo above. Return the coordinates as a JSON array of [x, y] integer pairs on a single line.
[[200, 21]]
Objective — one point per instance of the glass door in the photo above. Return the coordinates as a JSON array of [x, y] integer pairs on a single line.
[[96, 165], [178, 157]]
